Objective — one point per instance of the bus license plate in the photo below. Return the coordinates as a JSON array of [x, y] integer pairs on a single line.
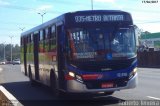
[[107, 85]]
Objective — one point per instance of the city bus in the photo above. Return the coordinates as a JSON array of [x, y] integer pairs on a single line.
[[82, 52]]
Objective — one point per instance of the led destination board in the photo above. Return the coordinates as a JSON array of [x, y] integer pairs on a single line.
[[98, 18]]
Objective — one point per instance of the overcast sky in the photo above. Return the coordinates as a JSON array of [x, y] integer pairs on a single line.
[[16, 14]]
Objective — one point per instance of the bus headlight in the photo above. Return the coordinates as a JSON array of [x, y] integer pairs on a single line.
[[71, 74], [133, 73]]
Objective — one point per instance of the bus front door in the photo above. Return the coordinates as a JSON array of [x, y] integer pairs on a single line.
[[61, 59]]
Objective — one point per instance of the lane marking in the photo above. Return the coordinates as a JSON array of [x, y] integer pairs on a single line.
[[1, 69], [153, 97]]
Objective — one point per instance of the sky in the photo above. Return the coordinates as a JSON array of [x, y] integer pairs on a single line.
[[16, 15]]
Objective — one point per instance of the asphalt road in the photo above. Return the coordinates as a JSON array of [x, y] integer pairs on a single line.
[[19, 86]]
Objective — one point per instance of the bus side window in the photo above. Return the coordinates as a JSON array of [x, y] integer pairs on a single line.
[[31, 38], [31, 43], [52, 41], [49, 39], [41, 41], [46, 33], [46, 41], [49, 33], [44, 36], [41, 35], [28, 43], [22, 41], [54, 35]]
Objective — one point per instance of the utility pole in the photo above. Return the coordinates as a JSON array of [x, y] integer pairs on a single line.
[[92, 4], [11, 46], [22, 28], [42, 15], [4, 58]]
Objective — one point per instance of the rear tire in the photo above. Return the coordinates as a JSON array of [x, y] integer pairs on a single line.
[[33, 83]]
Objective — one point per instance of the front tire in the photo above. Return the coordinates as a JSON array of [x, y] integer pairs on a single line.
[[54, 85]]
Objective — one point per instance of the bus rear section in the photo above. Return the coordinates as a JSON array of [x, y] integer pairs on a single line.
[[100, 50]]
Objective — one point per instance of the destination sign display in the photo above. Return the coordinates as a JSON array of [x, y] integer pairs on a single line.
[[99, 18]]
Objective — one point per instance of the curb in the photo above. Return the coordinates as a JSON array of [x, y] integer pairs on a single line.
[[7, 99]]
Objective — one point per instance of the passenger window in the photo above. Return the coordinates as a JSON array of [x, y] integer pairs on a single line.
[[44, 36], [53, 32], [49, 33], [46, 33], [31, 38], [22, 40], [52, 41], [41, 35]]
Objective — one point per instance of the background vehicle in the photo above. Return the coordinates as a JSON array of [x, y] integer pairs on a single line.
[[2, 62], [84, 51], [16, 61]]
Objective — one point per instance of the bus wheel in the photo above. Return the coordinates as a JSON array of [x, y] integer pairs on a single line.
[[30, 76], [109, 93], [54, 85]]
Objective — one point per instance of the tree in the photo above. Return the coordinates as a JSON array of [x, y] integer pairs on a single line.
[[15, 52]]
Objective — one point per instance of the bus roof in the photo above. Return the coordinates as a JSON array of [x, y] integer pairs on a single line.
[[62, 17], [96, 11]]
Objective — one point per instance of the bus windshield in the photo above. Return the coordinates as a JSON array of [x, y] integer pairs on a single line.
[[101, 43]]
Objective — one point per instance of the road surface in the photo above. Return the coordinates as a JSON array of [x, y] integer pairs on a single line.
[[19, 86]]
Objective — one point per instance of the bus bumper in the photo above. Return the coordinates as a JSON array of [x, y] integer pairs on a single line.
[[74, 86]]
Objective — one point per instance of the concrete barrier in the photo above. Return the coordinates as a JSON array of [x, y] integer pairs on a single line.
[[7, 99], [149, 59]]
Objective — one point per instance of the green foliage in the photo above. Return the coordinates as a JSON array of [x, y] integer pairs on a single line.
[[15, 51]]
